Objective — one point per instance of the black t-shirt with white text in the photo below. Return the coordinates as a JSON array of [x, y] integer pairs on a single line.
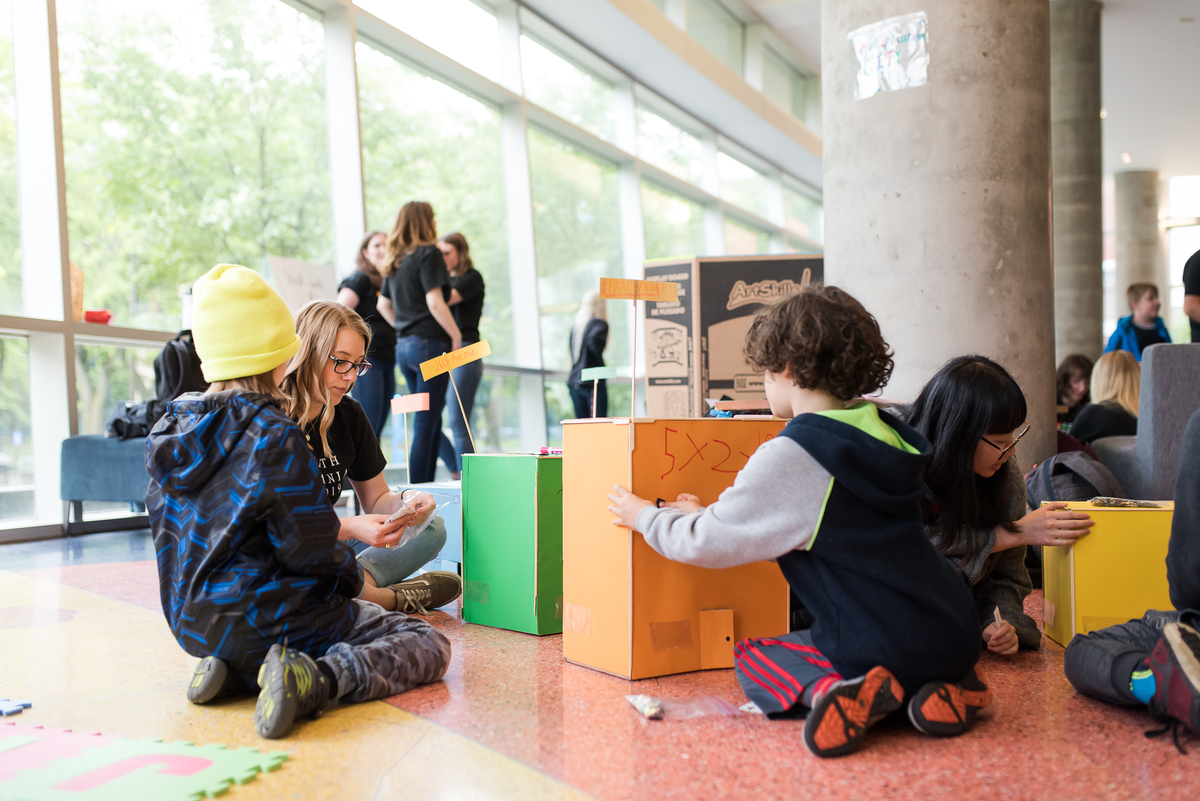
[[419, 272], [470, 309], [354, 449], [1191, 286]]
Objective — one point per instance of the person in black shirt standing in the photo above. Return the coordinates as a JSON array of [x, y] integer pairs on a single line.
[[589, 337], [467, 302], [360, 292], [1191, 293], [416, 289]]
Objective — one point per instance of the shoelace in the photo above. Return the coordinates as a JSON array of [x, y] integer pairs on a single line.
[[413, 601], [1172, 727]]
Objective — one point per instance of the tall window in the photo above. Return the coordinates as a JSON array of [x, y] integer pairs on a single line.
[[717, 29], [742, 185], [448, 153], [194, 134], [460, 29], [10, 232], [784, 84], [558, 85], [1184, 201], [802, 216], [16, 444], [107, 374], [742, 239], [577, 238], [669, 147], [674, 225]]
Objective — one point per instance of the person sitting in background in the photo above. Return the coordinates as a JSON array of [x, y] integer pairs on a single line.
[[1144, 327], [1116, 383], [333, 344], [589, 338], [1074, 383]]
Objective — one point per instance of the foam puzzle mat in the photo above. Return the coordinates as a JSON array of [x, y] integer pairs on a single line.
[[39, 764]]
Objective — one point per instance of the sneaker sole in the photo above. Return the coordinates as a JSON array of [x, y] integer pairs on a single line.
[[879, 686], [1185, 656], [955, 724], [208, 680]]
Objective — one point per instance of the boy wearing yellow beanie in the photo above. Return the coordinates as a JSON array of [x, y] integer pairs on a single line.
[[252, 577]]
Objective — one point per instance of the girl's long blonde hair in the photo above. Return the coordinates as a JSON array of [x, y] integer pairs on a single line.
[[415, 226], [317, 325], [1117, 377]]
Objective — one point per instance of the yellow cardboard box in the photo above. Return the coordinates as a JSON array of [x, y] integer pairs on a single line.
[[627, 610], [1113, 575]]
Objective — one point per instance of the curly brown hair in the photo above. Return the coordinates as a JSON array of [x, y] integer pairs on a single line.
[[824, 339]]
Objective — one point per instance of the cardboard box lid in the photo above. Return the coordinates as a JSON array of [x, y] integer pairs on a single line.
[[1086, 506]]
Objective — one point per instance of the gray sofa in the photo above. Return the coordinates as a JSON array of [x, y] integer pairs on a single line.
[[1148, 464]]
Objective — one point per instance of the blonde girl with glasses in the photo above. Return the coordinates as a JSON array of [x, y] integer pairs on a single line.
[[973, 414], [332, 355]]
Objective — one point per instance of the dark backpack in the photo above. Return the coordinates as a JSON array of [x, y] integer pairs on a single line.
[[1071, 476], [176, 371]]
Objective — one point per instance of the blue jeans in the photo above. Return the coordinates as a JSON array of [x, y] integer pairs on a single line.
[[393, 565], [467, 379], [581, 398], [374, 392], [427, 426]]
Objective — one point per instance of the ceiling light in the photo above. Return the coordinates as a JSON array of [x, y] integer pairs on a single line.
[[1125, 157], [1103, 113]]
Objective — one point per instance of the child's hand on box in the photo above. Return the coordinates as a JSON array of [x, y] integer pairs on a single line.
[[1001, 638], [626, 506], [686, 503]]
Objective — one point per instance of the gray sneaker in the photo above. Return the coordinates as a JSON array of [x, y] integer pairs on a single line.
[[292, 687], [211, 680], [426, 592]]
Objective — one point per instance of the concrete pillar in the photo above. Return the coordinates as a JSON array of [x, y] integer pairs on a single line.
[[937, 198], [1139, 251], [1075, 139]]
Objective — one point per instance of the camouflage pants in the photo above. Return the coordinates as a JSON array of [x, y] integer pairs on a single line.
[[386, 654]]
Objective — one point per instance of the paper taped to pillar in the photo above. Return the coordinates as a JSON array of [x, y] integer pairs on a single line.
[[891, 55], [300, 282], [627, 610], [694, 344]]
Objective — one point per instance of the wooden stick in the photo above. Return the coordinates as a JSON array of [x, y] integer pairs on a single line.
[[633, 361], [595, 387], [407, 449], [466, 422]]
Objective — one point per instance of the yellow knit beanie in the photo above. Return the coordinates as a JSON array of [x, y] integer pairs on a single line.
[[240, 325]]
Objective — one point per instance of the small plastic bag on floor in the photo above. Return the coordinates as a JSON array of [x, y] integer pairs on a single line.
[[653, 708]]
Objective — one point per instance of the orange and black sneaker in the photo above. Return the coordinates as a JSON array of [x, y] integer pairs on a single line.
[[943, 709], [839, 718]]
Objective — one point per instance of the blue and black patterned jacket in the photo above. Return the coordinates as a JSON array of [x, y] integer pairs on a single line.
[[245, 537]]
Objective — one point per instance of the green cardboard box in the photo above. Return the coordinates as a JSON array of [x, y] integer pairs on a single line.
[[512, 541]]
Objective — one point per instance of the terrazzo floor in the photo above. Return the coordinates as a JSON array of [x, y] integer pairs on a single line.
[[82, 636]]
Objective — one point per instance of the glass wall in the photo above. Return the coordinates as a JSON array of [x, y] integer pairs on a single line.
[[717, 29], [448, 154], [674, 225], [573, 94], [11, 301], [194, 134], [106, 375], [669, 147], [461, 29], [16, 444], [803, 216], [577, 236], [742, 185], [783, 83], [741, 238]]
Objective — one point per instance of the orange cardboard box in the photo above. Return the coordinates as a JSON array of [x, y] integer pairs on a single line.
[[627, 610]]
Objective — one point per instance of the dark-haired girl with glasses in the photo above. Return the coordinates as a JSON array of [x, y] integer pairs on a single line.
[[332, 356], [973, 414]]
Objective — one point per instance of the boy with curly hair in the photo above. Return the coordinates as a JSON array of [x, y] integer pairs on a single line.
[[835, 500]]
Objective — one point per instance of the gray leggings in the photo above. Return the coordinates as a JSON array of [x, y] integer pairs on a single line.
[[1099, 665], [385, 654]]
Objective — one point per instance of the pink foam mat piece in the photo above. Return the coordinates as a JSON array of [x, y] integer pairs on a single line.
[[32, 747]]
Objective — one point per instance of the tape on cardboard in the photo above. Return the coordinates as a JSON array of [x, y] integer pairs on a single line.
[[670, 634], [477, 592], [577, 619], [1047, 612], [558, 608]]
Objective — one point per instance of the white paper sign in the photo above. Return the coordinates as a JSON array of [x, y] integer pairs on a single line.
[[891, 55], [299, 282]]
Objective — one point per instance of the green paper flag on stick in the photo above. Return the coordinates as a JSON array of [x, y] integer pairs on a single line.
[[597, 373]]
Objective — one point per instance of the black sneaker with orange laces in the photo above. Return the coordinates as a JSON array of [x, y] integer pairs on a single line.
[[839, 719], [942, 709]]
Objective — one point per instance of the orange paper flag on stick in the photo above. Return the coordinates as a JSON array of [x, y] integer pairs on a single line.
[[629, 289], [404, 404], [448, 361]]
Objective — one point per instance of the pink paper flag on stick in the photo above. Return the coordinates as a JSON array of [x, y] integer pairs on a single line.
[[417, 402]]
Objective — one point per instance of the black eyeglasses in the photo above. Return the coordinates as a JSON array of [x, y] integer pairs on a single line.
[[1016, 438], [343, 366]]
